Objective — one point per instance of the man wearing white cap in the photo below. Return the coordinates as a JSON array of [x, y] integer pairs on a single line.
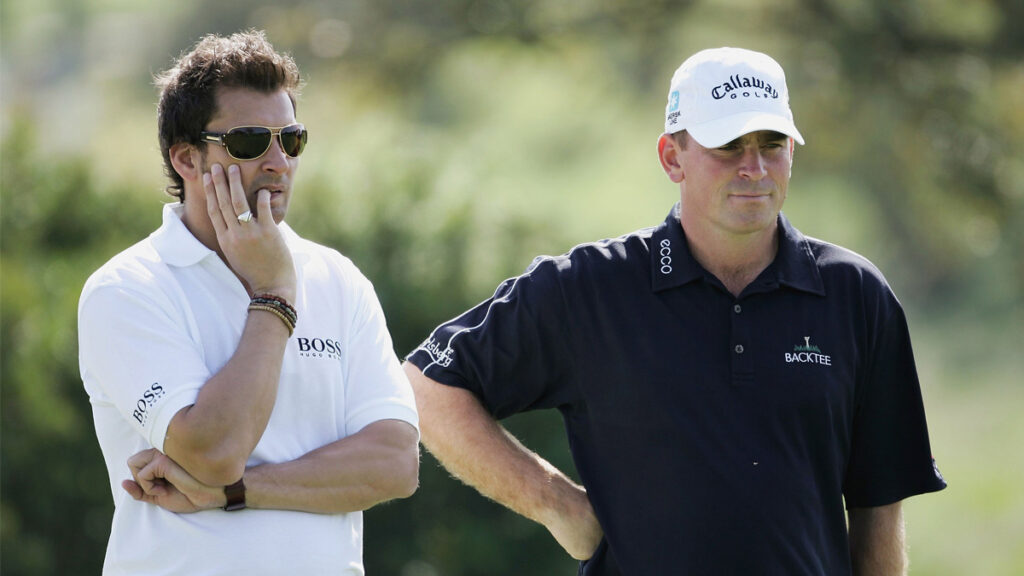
[[739, 398]]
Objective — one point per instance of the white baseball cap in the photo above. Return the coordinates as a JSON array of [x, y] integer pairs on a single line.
[[720, 94]]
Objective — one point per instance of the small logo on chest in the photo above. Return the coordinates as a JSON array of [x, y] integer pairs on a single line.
[[807, 354], [319, 348]]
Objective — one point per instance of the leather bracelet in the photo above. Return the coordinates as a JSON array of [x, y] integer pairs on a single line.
[[236, 496]]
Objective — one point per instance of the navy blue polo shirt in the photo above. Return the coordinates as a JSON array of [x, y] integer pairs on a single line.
[[714, 434]]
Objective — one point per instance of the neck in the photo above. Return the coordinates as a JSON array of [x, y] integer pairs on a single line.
[[736, 260], [197, 220]]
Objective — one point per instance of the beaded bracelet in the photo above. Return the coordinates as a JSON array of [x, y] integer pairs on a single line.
[[276, 302], [275, 312], [277, 306]]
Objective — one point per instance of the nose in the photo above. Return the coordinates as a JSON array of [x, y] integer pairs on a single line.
[[752, 164], [275, 160]]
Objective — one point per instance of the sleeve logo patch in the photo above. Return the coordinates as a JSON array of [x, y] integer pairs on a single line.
[[148, 400], [440, 355]]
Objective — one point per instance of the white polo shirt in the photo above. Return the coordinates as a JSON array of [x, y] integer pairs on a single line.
[[162, 317]]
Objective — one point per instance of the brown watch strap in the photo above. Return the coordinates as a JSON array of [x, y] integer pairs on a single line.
[[236, 496]]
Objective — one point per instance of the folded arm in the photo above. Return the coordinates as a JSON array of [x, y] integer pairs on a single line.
[[379, 463], [213, 438]]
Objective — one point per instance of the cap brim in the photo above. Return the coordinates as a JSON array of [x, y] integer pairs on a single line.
[[724, 130]]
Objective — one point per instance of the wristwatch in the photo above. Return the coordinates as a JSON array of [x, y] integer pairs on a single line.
[[236, 496]]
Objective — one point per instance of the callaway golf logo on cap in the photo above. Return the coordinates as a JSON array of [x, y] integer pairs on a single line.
[[721, 94], [749, 87]]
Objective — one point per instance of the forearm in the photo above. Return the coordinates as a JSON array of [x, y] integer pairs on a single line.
[[478, 451], [379, 463], [213, 438], [877, 541]]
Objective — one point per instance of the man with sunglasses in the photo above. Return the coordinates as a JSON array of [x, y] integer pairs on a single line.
[[728, 385], [245, 392]]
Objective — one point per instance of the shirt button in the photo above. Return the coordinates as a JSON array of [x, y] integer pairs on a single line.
[[737, 308], [739, 348]]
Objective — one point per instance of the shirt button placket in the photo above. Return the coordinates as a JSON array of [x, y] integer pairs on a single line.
[[742, 367]]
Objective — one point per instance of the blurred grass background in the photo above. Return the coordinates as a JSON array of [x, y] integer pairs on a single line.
[[452, 141]]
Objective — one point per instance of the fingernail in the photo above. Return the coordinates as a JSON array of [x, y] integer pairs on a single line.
[[206, 178], [233, 168]]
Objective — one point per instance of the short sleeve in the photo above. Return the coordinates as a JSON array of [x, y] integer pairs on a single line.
[[136, 354], [511, 350], [891, 456], [377, 388]]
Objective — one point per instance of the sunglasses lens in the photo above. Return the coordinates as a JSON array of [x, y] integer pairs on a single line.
[[248, 142], [293, 139]]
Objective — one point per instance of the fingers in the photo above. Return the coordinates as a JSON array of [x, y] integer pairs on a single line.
[[140, 459], [137, 463], [212, 207], [263, 213], [237, 204], [225, 196], [133, 489], [147, 470]]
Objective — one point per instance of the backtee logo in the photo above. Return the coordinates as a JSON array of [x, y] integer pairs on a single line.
[[808, 354], [319, 348], [149, 398]]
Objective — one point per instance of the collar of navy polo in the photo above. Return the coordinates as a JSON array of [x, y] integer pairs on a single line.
[[673, 265]]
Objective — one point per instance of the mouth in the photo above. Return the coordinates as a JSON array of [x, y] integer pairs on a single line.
[[751, 193], [275, 190]]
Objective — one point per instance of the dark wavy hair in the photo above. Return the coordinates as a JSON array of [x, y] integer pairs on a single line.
[[188, 90]]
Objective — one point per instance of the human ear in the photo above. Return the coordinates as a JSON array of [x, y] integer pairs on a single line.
[[186, 161], [668, 154]]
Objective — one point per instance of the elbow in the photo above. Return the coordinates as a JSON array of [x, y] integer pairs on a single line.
[[222, 472], [405, 476], [411, 479], [402, 474], [217, 469], [210, 456], [214, 465]]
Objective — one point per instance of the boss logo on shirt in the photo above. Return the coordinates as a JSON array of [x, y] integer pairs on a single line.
[[808, 354], [319, 348], [149, 398]]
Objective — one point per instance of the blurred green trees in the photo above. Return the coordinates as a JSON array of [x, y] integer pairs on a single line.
[[451, 142]]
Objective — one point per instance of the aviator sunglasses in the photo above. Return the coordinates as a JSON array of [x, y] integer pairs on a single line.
[[252, 142]]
